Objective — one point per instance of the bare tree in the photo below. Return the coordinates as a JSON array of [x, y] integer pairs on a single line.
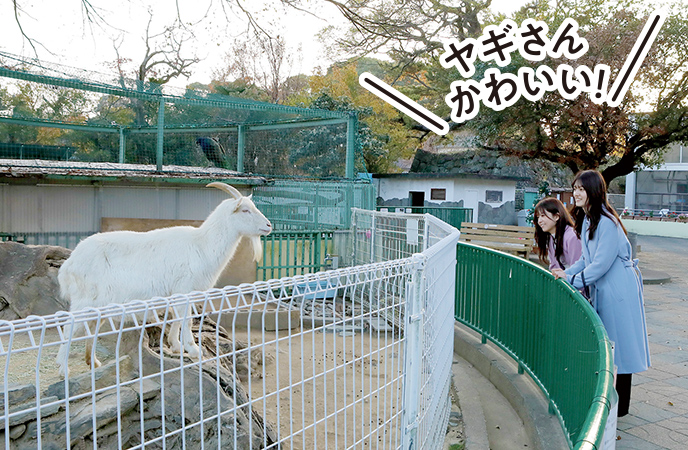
[[163, 60], [263, 61], [407, 30]]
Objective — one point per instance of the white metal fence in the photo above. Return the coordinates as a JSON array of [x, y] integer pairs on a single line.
[[358, 357]]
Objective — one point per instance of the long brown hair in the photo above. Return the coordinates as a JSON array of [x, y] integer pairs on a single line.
[[552, 206], [598, 204]]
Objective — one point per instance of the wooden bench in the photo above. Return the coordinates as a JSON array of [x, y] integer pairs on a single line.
[[512, 239]]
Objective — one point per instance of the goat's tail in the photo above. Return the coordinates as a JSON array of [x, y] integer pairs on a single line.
[[257, 248]]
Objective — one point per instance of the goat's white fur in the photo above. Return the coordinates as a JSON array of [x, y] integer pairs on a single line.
[[121, 266]]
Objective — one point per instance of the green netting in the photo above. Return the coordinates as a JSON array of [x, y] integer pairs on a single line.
[[317, 205], [49, 111], [246, 111]]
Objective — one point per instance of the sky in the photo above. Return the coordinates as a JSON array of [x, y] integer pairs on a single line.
[[64, 36]]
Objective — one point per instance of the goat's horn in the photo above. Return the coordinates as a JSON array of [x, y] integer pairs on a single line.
[[225, 187]]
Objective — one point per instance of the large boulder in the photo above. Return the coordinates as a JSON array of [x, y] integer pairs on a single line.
[[28, 280], [502, 215]]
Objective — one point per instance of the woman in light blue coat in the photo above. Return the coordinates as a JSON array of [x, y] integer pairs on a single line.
[[613, 278]]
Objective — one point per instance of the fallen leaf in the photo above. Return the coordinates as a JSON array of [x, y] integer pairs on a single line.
[[670, 404]]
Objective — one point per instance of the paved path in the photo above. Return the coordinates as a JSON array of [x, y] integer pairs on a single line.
[[658, 417]]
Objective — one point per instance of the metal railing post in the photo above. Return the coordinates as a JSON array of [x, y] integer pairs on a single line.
[[351, 132], [161, 126], [354, 233], [372, 240], [122, 145], [241, 144], [412, 353]]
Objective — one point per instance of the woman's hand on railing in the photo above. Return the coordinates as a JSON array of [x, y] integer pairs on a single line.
[[558, 273]]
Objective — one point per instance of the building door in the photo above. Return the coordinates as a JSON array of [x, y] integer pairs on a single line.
[[417, 201]]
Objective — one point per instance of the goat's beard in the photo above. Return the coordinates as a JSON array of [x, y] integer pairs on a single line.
[[257, 248]]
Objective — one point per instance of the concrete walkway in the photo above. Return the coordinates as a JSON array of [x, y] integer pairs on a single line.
[[658, 417], [502, 410]]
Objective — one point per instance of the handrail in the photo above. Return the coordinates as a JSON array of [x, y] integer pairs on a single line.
[[548, 328], [453, 215]]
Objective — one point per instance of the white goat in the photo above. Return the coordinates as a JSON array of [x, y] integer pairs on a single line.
[[121, 266]]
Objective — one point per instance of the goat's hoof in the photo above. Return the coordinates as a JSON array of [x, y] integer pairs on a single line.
[[93, 364], [194, 352], [175, 347], [63, 371]]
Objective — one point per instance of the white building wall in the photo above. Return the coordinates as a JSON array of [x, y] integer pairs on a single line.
[[471, 190], [77, 208], [389, 188]]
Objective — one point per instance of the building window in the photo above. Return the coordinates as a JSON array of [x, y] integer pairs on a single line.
[[493, 196], [438, 194]]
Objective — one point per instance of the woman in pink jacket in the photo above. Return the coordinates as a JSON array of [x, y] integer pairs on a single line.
[[555, 234]]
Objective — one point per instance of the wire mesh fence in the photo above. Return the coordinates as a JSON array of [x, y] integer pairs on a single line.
[[313, 205], [53, 112], [349, 358]]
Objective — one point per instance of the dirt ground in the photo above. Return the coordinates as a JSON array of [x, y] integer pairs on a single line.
[[346, 385]]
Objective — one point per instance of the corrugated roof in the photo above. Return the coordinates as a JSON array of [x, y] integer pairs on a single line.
[[450, 175], [22, 168]]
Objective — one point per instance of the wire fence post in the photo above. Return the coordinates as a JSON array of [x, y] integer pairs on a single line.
[[412, 359], [161, 127], [241, 148], [372, 241], [122, 145]]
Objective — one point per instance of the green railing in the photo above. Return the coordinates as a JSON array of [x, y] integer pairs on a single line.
[[451, 215], [548, 328], [60, 238], [289, 253]]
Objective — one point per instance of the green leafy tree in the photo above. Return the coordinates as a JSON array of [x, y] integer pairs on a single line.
[[581, 134], [321, 151], [576, 133], [383, 137]]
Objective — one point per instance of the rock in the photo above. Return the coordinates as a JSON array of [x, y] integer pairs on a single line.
[[117, 405], [104, 376], [107, 407], [16, 394], [146, 388], [28, 280], [28, 410], [81, 414], [200, 390], [17, 432], [490, 162], [503, 215]]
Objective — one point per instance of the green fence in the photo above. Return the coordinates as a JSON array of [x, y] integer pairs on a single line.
[[60, 238], [451, 215], [312, 205], [123, 120], [289, 253], [548, 328]]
